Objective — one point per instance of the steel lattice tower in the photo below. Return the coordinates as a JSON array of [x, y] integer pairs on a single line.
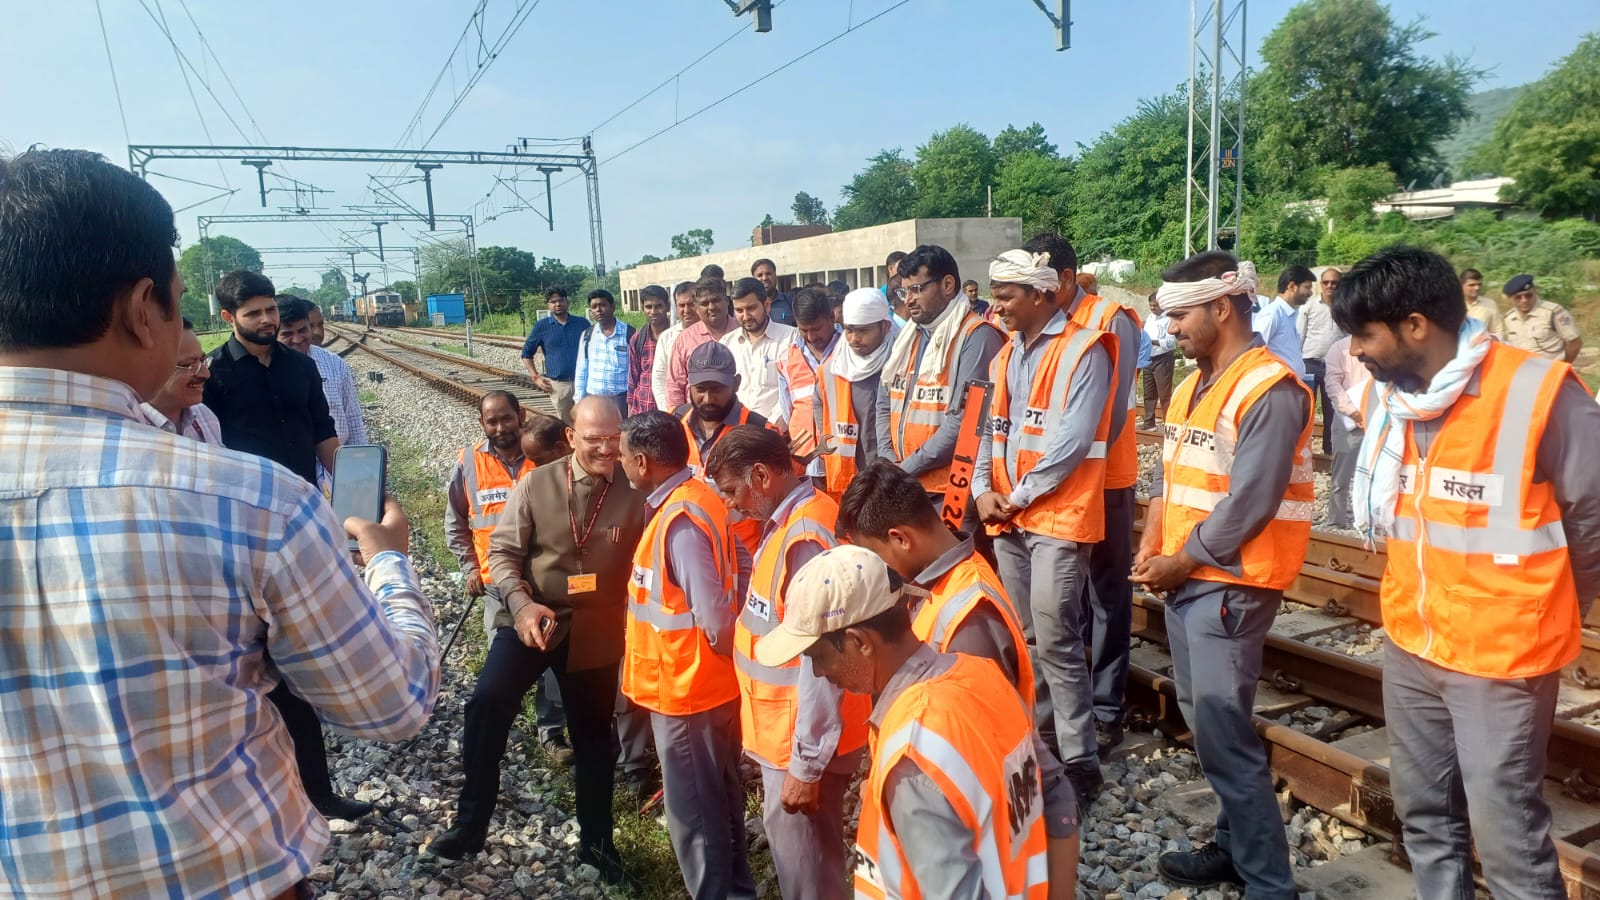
[[1214, 196]]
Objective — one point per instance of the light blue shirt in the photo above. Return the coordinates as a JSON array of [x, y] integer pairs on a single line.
[[1275, 322], [602, 362]]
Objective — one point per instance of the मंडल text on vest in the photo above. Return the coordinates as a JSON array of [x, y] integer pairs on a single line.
[[1485, 488]]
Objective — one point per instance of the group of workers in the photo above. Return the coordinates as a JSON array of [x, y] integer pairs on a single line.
[[946, 599]]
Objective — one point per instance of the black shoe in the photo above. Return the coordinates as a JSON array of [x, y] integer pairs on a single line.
[[455, 845], [556, 747], [1086, 782], [1107, 735], [1147, 424], [1208, 865], [643, 784], [335, 807], [611, 869]]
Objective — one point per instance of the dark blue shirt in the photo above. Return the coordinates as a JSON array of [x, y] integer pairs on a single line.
[[782, 309], [560, 344]]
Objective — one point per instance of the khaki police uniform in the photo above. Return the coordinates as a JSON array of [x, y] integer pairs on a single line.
[[1544, 329]]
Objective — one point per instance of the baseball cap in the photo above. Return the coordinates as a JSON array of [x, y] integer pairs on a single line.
[[712, 362], [1518, 284], [844, 586]]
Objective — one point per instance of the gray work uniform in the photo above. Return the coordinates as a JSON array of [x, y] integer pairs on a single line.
[[1107, 590], [1468, 753], [702, 794], [552, 719], [808, 850], [937, 845], [972, 364], [1216, 633], [1044, 575]]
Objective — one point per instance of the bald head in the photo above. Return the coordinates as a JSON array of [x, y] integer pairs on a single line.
[[596, 434]]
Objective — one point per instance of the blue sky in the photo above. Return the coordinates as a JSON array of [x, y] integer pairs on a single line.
[[353, 74]]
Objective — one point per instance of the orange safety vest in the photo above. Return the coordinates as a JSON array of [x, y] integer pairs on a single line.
[[769, 697], [748, 531], [670, 667], [1197, 460], [966, 735], [1076, 509], [916, 410], [838, 416], [1479, 579], [801, 377], [954, 596], [1122, 456], [488, 487]]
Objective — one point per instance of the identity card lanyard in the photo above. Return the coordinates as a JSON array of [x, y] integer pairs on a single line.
[[581, 583]]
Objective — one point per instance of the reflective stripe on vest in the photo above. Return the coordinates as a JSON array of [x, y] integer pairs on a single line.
[[979, 751], [669, 665], [1479, 577], [917, 409], [1075, 509], [1122, 456], [954, 596], [1198, 456], [838, 415], [769, 696], [488, 488]]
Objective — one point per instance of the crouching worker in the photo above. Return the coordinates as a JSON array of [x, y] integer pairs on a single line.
[[954, 805]]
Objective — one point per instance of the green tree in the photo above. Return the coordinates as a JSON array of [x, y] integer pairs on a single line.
[[647, 259], [205, 261], [406, 289], [504, 273], [1352, 192], [694, 242], [332, 291], [1557, 169], [1343, 86], [446, 267], [1012, 141], [808, 210], [1037, 188], [1569, 92], [768, 222], [1127, 187], [882, 192], [951, 174]]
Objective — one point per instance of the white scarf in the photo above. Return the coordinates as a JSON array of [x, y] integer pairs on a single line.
[[1179, 294], [946, 331], [1377, 483], [855, 369]]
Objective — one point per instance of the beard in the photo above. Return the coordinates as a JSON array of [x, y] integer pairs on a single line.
[[260, 337]]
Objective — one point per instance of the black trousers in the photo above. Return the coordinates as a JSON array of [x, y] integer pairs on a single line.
[[1110, 596], [1318, 369], [305, 729], [511, 670]]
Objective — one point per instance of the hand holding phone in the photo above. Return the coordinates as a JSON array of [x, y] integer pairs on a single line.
[[359, 472], [534, 624], [370, 538]]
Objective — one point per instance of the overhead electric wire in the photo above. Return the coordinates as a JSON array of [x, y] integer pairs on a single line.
[[115, 87]]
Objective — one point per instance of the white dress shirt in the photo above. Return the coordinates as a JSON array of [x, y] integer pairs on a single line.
[[1318, 332], [757, 358], [1161, 343]]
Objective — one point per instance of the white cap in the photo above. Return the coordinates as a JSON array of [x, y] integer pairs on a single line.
[[865, 306], [844, 586]]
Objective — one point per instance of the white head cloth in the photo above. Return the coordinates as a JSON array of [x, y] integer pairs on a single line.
[[1022, 267], [865, 306], [1178, 294]]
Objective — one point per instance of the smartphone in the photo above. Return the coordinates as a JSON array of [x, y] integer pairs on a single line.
[[359, 473]]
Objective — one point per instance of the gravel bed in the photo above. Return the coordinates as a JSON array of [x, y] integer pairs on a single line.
[[487, 353], [531, 845]]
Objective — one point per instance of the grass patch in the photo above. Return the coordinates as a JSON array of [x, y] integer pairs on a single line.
[[366, 397], [213, 340]]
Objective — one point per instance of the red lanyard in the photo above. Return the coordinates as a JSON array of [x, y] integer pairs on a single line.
[[572, 517]]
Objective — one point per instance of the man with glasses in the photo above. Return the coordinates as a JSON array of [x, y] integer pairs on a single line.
[[560, 559], [921, 397], [295, 331], [178, 406], [1318, 333], [1539, 326]]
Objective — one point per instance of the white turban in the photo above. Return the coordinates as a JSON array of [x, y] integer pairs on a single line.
[[1022, 267], [1178, 294], [865, 306]]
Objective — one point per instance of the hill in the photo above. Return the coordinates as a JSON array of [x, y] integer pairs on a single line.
[[1487, 108]]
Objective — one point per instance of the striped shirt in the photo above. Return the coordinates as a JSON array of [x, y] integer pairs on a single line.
[[602, 362], [146, 579], [641, 363], [339, 386], [197, 422]]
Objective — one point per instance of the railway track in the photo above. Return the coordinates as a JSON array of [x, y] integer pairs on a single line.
[[493, 340], [1345, 776], [467, 379]]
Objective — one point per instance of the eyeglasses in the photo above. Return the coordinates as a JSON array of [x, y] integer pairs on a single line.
[[194, 368], [601, 440], [906, 292]]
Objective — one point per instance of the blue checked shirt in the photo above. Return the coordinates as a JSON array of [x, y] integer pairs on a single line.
[[339, 386], [602, 363], [144, 579]]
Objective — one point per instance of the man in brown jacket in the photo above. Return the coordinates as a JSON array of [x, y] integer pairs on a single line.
[[561, 558]]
